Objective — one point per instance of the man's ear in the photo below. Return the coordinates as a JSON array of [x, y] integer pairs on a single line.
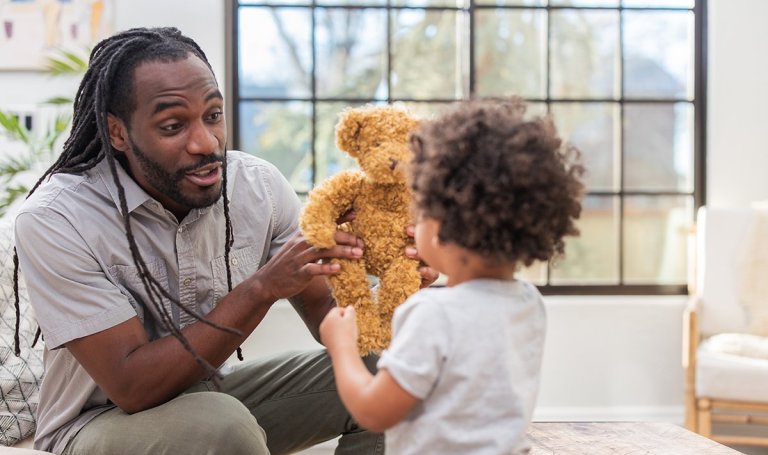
[[118, 133]]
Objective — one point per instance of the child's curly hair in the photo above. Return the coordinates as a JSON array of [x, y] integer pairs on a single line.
[[502, 186]]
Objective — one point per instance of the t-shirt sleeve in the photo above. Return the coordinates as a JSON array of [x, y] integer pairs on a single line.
[[69, 291], [420, 345]]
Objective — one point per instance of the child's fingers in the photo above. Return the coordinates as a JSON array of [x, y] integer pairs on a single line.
[[349, 312]]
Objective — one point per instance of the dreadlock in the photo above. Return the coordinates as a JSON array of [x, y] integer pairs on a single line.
[[107, 87]]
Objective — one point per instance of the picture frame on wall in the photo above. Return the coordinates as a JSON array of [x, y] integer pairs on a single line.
[[31, 29]]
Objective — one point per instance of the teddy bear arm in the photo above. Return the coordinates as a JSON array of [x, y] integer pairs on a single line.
[[327, 202]]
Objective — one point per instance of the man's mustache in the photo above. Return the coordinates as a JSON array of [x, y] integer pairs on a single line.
[[204, 161]]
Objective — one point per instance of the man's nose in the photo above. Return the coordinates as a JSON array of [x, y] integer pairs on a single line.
[[202, 140]]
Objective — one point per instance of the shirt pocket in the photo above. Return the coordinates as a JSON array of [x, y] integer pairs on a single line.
[[242, 264], [128, 281]]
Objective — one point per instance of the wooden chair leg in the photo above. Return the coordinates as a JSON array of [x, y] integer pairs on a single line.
[[691, 413], [705, 417]]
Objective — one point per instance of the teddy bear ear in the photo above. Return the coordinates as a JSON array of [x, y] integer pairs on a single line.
[[348, 131]]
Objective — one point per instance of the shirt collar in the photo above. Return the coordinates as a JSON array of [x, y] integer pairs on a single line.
[[135, 196]]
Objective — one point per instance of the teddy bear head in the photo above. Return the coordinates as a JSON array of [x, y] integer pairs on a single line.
[[377, 138]]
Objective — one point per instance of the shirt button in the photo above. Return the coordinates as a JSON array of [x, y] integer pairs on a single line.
[[181, 229], [187, 282], [233, 261]]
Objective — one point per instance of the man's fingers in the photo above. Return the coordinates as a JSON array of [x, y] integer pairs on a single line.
[[346, 238], [347, 216], [313, 268]]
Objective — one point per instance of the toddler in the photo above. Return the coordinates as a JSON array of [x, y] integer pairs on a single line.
[[492, 191]]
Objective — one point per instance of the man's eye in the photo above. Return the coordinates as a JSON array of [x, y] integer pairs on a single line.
[[215, 116], [172, 127]]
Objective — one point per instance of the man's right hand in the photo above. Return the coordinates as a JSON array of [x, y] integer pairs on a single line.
[[293, 267]]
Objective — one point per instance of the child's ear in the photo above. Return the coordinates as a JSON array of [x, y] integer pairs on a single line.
[[118, 133], [436, 241]]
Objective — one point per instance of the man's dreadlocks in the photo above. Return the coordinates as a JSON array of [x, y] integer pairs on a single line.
[[107, 87]]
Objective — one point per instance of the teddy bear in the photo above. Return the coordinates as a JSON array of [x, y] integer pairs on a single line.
[[379, 194]]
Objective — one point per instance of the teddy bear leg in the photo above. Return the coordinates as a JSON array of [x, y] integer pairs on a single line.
[[398, 282], [351, 287]]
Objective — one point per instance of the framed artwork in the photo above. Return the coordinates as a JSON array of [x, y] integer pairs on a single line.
[[31, 29]]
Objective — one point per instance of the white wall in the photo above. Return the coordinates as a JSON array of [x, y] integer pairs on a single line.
[[205, 25], [606, 357], [737, 160]]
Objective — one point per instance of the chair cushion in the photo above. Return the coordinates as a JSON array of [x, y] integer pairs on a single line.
[[19, 376], [722, 371]]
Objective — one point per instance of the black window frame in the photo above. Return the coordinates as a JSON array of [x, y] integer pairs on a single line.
[[699, 104]]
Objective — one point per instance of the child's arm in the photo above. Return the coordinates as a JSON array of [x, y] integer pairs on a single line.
[[375, 402]]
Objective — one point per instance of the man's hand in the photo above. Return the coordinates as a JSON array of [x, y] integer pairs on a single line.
[[293, 267], [338, 331], [428, 274]]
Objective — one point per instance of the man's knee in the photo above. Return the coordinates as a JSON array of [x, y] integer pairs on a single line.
[[219, 421]]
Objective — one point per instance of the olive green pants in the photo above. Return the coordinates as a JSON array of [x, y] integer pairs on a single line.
[[278, 405]]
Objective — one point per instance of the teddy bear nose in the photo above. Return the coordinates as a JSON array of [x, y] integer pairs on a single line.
[[392, 164]]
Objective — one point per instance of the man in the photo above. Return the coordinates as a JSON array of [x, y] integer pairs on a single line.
[[144, 223]]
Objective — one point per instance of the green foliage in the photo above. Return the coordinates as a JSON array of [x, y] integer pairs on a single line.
[[38, 147]]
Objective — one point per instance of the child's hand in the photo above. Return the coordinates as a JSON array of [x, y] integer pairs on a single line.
[[339, 329]]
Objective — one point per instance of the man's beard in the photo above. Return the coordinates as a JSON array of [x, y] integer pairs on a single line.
[[169, 183]]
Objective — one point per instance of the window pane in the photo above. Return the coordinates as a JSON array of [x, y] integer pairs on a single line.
[[659, 146], [274, 52], [592, 258], [451, 3], [279, 133], [593, 129], [329, 158], [584, 54], [511, 52], [512, 2], [351, 53], [660, 3], [424, 110], [430, 57], [584, 2], [275, 2], [658, 54], [536, 109], [655, 238], [352, 2]]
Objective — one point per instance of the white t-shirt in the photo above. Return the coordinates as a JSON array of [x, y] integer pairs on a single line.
[[472, 354]]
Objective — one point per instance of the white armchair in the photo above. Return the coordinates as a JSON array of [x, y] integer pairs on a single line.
[[726, 362]]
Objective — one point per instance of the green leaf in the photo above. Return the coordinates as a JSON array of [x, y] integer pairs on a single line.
[[63, 61], [10, 123], [11, 194], [59, 100]]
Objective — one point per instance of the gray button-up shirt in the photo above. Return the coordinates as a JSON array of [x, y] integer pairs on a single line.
[[81, 277]]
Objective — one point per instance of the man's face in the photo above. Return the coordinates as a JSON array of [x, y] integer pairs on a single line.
[[175, 143]]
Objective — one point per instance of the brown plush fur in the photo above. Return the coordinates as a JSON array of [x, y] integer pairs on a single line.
[[377, 137]]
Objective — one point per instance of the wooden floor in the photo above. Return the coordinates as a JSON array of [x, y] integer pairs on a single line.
[[636, 438]]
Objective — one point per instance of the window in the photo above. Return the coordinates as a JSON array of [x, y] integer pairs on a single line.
[[624, 80]]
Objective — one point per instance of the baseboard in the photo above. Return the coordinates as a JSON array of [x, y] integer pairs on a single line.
[[674, 414]]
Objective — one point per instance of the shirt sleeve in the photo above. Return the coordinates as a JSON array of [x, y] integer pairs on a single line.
[[68, 289], [420, 344], [287, 208]]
